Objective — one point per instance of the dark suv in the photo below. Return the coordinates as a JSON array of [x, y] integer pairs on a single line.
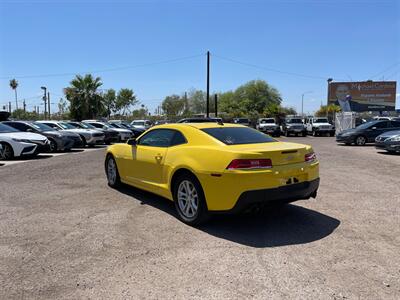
[[367, 132], [295, 126]]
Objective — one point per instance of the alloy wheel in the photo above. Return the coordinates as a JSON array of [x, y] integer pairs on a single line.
[[111, 171], [360, 140], [8, 152], [188, 199]]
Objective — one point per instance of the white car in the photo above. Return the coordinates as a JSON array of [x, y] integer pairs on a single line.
[[17, 143], [141, 124], [269, 126], [89, 136], [319, 126], [124, 134]]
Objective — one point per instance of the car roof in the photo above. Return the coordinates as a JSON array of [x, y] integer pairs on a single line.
[[197, 125]]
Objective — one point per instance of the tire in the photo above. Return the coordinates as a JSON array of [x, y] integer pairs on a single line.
[[331, 134], [193, 212], [304, 134], [8, 152], [53, 145], [360, 140], [286, 133], [83, 141], [314, 133], [112, 173]]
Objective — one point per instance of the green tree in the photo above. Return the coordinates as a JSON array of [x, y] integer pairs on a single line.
[[196, 101], [84, 96], [328, 111], [173, 106], [250, 99], [20, 114], [124, 100], [109, 98], [141, 113], [14, 85]]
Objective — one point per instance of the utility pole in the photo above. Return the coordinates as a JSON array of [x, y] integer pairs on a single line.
[[302, 102], [208, 85], [45, 100], [328, 94], [24, 105], [48, 101], [216, 104]]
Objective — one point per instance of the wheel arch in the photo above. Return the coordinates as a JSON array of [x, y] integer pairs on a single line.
[[179, 172], [10, 145]]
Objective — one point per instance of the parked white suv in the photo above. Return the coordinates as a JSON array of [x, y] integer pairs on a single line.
[[268, 125], [319, 126], [17, 143]]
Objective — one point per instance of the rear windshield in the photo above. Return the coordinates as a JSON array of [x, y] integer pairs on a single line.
[[238, 135], [294, 121], [267, 121], [243, 120]]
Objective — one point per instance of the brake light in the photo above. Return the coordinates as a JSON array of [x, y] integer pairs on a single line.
[[250, 164], [310, 157]]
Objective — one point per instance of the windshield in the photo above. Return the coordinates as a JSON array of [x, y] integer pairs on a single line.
[[267, 121], [294, 121], [41, 127], [5, 128], [66, 125], [138, 123], [321, 120], [238, 135], [114, 125], [367, 125], [242, 120], [86, 125]]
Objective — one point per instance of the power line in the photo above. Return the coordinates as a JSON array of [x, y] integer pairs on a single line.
[[385, 70], [271, 69], [105, 70]]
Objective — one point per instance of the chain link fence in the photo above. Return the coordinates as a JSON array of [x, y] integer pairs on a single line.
[[345, 120]]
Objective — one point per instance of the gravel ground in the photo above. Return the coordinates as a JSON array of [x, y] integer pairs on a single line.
[[66, 234]]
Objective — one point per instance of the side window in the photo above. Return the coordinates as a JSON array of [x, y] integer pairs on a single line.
[[96, 125], [395, 124], [158, 138], [383, 124], [178, 139], [18, 126], [51, 125]]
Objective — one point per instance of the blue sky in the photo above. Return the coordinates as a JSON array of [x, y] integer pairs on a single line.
[[345, 40]]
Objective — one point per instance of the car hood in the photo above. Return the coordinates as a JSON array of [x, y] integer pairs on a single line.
[[24, 136], [122, 130], [390, 133], [322, 124], [347, 131], [83, 131]]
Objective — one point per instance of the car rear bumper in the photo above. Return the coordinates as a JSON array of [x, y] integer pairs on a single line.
[[345, 139], [283, 194]]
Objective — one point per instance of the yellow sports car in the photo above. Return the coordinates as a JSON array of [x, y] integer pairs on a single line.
[[214, 167]]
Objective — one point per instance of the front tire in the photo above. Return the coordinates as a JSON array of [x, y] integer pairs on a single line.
[[112, 173], [360, 140], [189, 200], [53, 146], [8, 152]]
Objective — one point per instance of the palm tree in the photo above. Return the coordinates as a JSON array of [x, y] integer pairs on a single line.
[[85, 97], [14, 85]]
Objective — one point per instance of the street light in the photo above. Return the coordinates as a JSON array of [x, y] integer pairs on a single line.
[[302, 101]]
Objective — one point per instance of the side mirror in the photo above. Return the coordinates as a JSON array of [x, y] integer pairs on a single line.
[[131, 142]]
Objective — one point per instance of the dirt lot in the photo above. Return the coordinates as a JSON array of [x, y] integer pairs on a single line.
[[66, 234]]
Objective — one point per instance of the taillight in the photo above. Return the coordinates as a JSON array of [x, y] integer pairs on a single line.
[[250, 164], [310, 157]]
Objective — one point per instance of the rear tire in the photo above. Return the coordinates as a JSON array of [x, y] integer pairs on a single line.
[[112, 173], [286, 133], [189, 200], [83, 141], [332, 134]]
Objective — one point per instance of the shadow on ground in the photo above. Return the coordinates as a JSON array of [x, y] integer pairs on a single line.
[[287, 225], [389, 153]]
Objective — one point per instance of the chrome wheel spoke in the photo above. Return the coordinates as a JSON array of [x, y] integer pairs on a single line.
[[187, 199]]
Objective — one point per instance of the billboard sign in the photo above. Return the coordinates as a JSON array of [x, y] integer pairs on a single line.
[[363, 95]]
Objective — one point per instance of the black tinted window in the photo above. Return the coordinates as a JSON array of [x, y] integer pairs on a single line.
[[383, 124], [238, 135], [178, 139], [16, 125], [395, 124], [158, 138]]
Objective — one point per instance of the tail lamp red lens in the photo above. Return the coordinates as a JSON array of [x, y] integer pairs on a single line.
[[250, 164], [310, 157]]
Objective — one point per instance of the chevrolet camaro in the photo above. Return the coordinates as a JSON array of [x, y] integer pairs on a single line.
[[206, 168]]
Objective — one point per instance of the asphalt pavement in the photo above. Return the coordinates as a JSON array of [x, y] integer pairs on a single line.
[[66, 235]]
